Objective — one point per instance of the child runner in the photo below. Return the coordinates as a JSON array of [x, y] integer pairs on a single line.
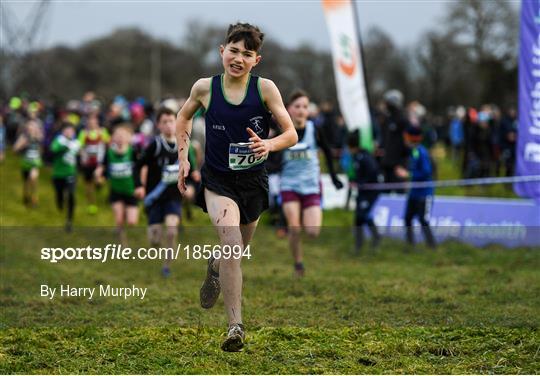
[[419, 200], [301, 176], [366, 171], [118, 165], [64, 149], [94, 140], [192, 182], [273, 166], [234, 188], [2, 138], [29, 145], [156, 175]]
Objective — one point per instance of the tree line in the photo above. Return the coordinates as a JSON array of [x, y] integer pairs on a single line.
[[470, 58]]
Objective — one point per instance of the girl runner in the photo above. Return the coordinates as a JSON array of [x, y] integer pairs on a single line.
[[29, 145], [93, 140], [300, 178]]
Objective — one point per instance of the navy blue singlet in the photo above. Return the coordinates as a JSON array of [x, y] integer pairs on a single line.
[[226, 123]]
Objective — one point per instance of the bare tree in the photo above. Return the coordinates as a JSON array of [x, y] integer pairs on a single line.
[[489, 28], [387, 66], [445, 75], [202, 42]]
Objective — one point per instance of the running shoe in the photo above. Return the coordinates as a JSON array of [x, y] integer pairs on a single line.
[[299, 269], [281, 233], [211, 287], [165, 272], [235, 338]]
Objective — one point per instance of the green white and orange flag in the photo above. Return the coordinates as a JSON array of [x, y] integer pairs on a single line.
[[348, 67]]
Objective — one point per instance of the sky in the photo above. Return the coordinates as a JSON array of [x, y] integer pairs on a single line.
[[291, 23]]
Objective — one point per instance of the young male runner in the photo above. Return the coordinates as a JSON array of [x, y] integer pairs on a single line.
[[65, 148], [234, 189], [118, 166], [156, 175]]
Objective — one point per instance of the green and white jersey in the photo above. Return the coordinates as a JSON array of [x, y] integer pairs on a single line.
[[32, 155], [64, 156], [120, 170]]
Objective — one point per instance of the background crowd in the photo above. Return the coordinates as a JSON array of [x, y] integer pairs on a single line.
[[482, 140]]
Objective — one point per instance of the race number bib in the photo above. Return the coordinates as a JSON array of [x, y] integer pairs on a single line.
[[299, 152], [170, 174], [241, 157], [70, 157], [121, 169], [92, 150], [32, 155]]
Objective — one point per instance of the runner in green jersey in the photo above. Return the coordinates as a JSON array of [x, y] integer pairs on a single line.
[[64, 149], [118, 166], [29, 145]]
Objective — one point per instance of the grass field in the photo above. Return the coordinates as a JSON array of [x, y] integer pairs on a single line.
[[459, 310]]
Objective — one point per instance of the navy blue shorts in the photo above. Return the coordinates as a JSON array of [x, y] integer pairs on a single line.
[[248, 189], [157, 212], [128, 200]]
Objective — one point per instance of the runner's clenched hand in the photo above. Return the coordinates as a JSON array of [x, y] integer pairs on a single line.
[[259, 146], [182, 175]]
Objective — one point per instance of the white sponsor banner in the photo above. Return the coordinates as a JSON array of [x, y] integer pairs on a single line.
[[348, 69]]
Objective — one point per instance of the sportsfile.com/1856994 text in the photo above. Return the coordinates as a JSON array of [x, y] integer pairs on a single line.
[[119, 252]]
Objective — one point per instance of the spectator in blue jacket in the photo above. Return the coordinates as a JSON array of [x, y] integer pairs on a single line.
[[419, 200], [456, 134]]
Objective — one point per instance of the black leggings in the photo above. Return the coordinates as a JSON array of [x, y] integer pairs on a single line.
[[65, 189], [363, 217], [419, 208], [364, 205]]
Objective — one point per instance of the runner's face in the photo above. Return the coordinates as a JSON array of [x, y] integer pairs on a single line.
[[93, 122], [121, 138], [237, 60], [167, 125], [69, 132], [299, 110]]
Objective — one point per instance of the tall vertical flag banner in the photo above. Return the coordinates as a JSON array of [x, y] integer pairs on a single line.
[[348, 67], [528, 143]]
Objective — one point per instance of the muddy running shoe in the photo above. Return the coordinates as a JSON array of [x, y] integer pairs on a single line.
[[166, 272], [69, 226], [299, 269], [210, 288], [235, 338]]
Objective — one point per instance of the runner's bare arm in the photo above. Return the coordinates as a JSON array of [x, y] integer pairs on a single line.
[[21, 143], [273, 101], [198, 97], [144, 175]]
